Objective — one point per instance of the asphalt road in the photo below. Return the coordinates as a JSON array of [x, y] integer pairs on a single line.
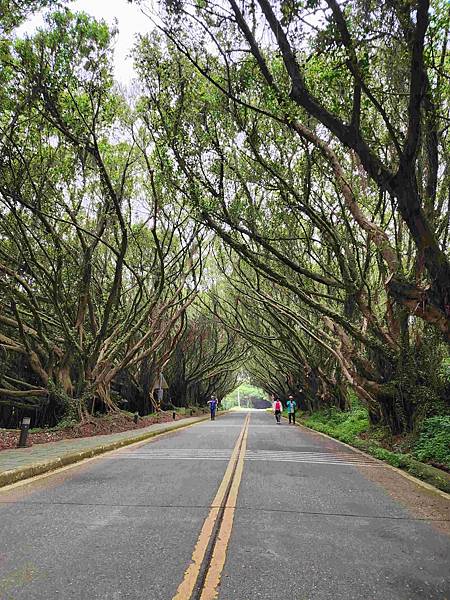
[[312, 521]]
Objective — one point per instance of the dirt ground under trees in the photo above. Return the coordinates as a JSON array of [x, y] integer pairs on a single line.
[[112, 423]]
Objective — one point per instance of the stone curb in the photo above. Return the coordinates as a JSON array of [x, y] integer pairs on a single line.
[[14, 475], [404, 474]]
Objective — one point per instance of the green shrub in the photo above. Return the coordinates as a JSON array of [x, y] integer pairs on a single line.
[[444, 371], [395, 459], [345, 426], [434, 441], [66, 423]]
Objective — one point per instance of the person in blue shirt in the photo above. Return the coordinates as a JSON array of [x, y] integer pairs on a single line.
[[291, 405], [213, 406]]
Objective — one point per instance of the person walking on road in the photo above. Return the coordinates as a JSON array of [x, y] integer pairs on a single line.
[[291, 406], [277, 408], [213, 406]]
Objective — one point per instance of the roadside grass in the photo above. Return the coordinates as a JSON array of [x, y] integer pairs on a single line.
[[431, 445]]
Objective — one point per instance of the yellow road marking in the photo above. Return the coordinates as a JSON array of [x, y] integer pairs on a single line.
[[187, 586], [211, 587]]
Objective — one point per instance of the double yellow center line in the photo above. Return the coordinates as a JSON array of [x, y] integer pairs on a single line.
[[216, 531]]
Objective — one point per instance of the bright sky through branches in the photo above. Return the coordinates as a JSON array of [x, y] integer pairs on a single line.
[[130, 22]]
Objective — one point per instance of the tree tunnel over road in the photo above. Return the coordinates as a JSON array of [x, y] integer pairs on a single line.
[[247, 396]]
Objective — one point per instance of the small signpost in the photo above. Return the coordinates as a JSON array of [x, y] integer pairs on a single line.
[[159, 387]]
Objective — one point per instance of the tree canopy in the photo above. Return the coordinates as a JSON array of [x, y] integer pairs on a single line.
[[273, 196]]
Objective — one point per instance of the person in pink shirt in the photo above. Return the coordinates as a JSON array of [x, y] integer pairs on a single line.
[[277, 408]]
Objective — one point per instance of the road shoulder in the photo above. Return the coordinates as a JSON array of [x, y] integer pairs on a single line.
[[423, 500]]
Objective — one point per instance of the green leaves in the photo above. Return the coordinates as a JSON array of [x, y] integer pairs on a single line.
[[433, 444]]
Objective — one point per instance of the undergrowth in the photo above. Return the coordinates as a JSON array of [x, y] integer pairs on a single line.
[[343, 425], [433, 444]]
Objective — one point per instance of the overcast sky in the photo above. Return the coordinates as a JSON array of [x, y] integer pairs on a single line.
[[130, 20]]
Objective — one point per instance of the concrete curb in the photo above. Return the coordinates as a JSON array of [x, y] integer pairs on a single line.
[[15, 475], [404, 474]]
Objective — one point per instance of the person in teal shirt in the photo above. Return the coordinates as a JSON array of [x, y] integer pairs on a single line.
[[291, 405]]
